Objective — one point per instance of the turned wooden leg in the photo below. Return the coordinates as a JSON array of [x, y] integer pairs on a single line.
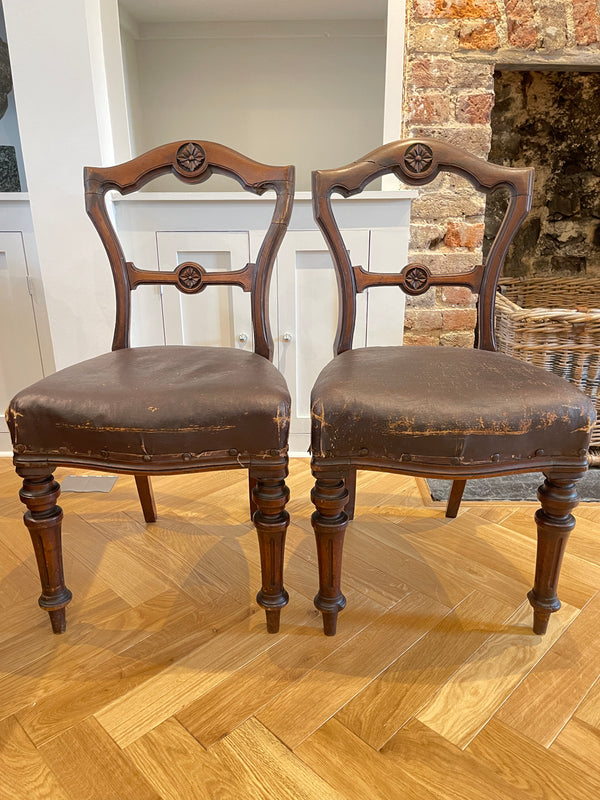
[[251, 484], [270, 494], [456, 493], [558, 497], [329, 522], [350, 482], [146, 495], [43, 519]]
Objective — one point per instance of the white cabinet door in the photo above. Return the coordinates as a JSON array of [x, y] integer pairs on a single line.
[[307, 317], [219, 315], [388, 253], [20, 361]]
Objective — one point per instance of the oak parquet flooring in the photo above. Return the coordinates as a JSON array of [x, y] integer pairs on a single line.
[[544, 702], [541, 773], [436, 764], [579, 743], [251, 687], [96, 767], [401, 690], [308, 703], [478, 688], [24, 774], [167, 685], [508, 553]]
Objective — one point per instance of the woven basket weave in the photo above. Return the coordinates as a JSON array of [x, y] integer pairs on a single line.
[[555, 324]]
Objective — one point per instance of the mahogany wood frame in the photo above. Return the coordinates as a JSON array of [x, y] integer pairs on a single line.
[[193, 162], [417, 162]]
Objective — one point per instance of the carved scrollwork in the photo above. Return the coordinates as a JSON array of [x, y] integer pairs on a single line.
[[418, 158], [415, 279], [190, 158], [190, 277]]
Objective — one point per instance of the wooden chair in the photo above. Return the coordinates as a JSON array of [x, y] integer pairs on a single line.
[[169, 409], [438, 411]]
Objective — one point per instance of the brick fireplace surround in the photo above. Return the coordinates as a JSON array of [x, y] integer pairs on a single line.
[[453, 48]]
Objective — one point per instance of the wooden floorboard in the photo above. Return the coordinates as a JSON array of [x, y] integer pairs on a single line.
[[166, 684]]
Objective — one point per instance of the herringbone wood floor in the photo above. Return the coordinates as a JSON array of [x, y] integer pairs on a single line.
[[166, 684]]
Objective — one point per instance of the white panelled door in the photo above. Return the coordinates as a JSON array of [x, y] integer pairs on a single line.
[[219, 316], [308, 310]]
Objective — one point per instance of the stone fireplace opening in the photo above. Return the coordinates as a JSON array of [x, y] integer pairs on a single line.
[[550, 120], [546, 56]]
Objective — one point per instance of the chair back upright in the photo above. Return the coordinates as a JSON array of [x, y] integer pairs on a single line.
[[416, 162], [192, 162]]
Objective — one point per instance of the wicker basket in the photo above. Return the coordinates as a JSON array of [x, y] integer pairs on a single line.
[[555, 324]]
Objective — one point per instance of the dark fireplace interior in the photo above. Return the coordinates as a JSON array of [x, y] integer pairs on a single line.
[[550, 120]]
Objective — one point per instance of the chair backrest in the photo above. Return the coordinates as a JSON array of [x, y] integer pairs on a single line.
[[192, 162], [417, 162]]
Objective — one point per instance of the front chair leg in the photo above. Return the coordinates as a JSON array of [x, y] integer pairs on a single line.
[[329, 522], [558, 497], [43, 519], [270, 494]]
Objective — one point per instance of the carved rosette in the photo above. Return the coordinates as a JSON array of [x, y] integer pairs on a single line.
[[190, 277], [190, 159], [418, 158], [415, 279]]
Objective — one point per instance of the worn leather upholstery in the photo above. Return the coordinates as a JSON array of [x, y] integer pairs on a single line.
[[133, 404], [445, 405]]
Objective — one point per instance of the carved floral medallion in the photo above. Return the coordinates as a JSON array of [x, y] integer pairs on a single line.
[[189, 277], [416, 280], [190, 157], [418, 158]]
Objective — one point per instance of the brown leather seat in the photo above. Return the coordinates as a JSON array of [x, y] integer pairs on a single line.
[[408, 404], [180, 403], [439, 412], [171, 409]]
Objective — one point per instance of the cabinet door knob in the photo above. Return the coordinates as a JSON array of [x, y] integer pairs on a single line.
[[287, 337], [243, 337]]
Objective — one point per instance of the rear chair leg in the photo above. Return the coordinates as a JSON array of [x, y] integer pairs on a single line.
[[558, 497], [350, 482], [329, 522], [43, 519], [146, 495], [270, 494], [251, 484], [456, 493]]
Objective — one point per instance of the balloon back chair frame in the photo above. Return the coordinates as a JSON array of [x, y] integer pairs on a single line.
[[192, 162], [417, 162]]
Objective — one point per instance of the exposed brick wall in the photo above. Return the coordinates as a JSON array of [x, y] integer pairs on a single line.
[[453, 47]]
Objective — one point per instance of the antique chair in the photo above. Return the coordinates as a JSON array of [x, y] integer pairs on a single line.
[[438, 411], [168, 409]]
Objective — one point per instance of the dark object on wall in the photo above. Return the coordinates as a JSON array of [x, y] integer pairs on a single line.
[[438, 411], [169, 409], [6, 84], [9, 172]]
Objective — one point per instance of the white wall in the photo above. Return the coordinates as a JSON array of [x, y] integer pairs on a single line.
[[306, 93], [63, 126]]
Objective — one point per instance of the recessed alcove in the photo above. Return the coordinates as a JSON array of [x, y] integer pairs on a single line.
[[284, 83]]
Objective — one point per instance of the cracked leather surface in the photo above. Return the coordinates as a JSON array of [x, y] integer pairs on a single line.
[[144, 402], [446, 405]]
